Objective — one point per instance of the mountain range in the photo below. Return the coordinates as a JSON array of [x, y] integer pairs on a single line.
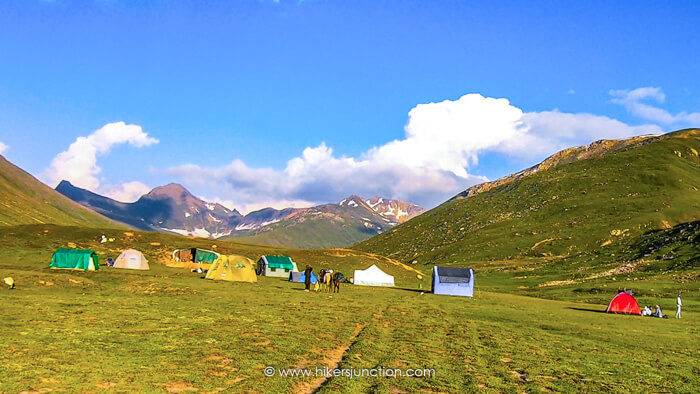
[[172, 208], [613, 205]]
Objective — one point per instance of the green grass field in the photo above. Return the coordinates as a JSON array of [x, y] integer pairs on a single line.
[[168, 330]]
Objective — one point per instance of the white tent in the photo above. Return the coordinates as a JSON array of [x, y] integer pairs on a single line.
[[372, 276], [131, 259]]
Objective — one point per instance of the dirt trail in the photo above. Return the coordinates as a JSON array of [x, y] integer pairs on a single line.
[[332, 361]]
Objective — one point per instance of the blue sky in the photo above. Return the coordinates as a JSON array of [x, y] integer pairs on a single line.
[[234, 91]]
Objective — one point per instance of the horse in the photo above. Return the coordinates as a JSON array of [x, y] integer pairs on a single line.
[[323, 279], [335, 281]]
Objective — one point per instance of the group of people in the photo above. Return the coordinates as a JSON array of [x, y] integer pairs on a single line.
[[659, 313], [327, 280]]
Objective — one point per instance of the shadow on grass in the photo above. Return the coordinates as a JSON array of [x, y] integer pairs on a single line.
[[586, 309], [413, 290]]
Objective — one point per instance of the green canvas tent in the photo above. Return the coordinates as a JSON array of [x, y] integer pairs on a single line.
[[205, 256], [195, 255], [75, 259], [279, 266]]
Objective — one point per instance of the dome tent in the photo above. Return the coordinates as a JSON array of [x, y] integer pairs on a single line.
[[625, 303], [300, 277], [233, 269], [131, 259]]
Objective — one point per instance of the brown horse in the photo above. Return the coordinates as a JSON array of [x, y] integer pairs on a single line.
[[335, 281]]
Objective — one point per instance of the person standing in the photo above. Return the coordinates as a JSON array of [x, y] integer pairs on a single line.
[[679, 304], [307, 277]]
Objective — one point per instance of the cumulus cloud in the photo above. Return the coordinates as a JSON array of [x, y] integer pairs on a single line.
[[637, 101], [547, 132], [441, 141], [447, 136], [3, 148], [441, 145], [126, 192], [78, 164]]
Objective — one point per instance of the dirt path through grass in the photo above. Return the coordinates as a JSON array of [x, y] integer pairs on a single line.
[[333, 358]]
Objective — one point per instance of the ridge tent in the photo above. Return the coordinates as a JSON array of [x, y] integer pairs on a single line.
[[131, 259], [372, 276], [195, 255], [624, 302], [453, 281], [194, 258], [279, 266], [75, 259], [300, 277], [233, 269]]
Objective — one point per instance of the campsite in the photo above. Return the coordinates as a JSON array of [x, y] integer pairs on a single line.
[[169, 329], [319, 196]]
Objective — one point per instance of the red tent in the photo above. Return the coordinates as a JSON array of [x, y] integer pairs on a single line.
[[624, 303]]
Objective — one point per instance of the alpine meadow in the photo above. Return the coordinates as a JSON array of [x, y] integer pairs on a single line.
[[285, 196]]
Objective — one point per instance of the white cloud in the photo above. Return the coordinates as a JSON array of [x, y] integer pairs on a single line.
[[126, 192], [634, 102], [3, 148], [447, 136], [226, 203], [442, 140], [78, 164], [550, 131], [430, 164]]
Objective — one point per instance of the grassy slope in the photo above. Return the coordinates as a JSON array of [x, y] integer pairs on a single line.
[[25, 200], [310, 234], [167, 329], [572, 219]]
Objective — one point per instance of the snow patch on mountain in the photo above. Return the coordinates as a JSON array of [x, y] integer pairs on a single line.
[[369, 202]]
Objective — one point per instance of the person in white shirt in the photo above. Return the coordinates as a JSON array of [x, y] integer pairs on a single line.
[[679, 304]]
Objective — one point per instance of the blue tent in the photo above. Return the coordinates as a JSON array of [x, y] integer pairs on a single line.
[[300, 277], [453, 281]]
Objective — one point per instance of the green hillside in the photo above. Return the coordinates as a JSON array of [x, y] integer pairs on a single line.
[[585, 209], [310, 234], [25, 200], [329, 225]]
